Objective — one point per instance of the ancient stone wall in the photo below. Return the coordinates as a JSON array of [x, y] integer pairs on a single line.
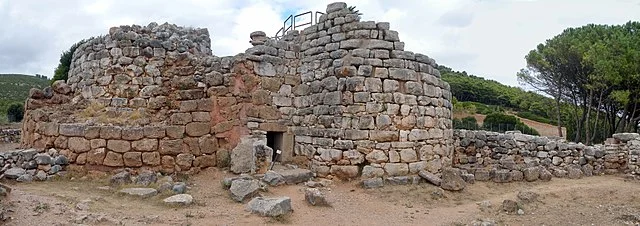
[[366, 104], [341, 97], [515, 157], [10, 136]]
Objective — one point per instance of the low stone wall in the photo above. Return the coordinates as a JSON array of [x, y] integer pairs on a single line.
[[515, 157], [10, 136], [32, 164]]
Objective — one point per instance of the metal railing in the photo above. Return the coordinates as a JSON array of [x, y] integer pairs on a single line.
[[290, 23]]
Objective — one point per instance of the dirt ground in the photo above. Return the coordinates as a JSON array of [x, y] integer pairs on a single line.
[[602, 200]]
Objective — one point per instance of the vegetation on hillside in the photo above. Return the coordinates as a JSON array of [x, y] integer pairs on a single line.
[[594, 71], [14, 89]]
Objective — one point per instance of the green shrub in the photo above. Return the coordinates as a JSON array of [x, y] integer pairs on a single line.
[[15, 112], [468, 123], [499, 122], [535, 117]]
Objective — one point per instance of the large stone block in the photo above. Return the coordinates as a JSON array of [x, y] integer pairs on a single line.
[[196, 129], [96, 156], [110, 132], [175, 132], [133, 159], [151, 158], [383, 136], [79, 144], [132, 133], [377, 156], [170, 147], [344, 172], [396, 169], [205, 161], [113, 159], [72, 130], [145, 145], [120, 146], [154, 132]]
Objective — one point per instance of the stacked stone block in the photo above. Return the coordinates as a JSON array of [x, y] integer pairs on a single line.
[[514, 156], [366, 105]]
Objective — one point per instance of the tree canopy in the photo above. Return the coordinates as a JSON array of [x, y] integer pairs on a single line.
[[62, 70]]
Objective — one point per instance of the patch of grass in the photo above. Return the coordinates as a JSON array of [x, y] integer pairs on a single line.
[[94, 109], [41, 207]]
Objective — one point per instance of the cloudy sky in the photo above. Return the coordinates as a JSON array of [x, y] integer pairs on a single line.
[[483, 37]]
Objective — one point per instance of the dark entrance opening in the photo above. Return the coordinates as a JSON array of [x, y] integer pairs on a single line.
[[274, 141]]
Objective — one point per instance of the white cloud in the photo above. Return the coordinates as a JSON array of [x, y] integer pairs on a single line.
[[486, 38]]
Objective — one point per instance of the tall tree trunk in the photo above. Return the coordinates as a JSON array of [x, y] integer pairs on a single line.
[[595, 125], [587, 135], [632, 118]]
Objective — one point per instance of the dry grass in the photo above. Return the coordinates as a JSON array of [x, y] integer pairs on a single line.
[[102, 114]]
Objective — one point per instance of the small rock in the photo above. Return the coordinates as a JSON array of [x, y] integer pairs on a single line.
[[313, 184], [165, 186], [14, 173], [43, 159], [438, 193], [226, 182], [469, 178], [452, 179], [485, 206], [432, 178], [520, 212], [25, 178], [120, 178], [509, 206], [145, 178], [244, 189], [41, 175], [270, 207], [372, 183], [486, 222], [179, 199], [83, 205], [315, 197], [104, 188], [179, 188], [55, 169], [272, 178], [139, 192], [528, 196]]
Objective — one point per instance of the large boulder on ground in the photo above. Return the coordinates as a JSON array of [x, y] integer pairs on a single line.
[[244, 189], [14, 173], [430, 177], [179, 199], [120, 178], [294, 176], [510, 206], [272, 178], [452, 179], [139, 192], [270, 207], [531, 174], [502, 176], [574, 172], [545, 175], [145, 178], [315, 197], [528, 196]]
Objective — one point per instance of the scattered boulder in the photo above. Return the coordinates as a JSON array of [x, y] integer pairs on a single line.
[[25, 178], [146, 178], [139, 192], [527, 196], [510, 206], [270, 207], [294, 176], [272, 178], [179, 188], [120, 178], [574, 172], [179, 199], [469, 178], [244, 189], [226, 182], [315, 197], [372, 183], [452, 180], [545, 175], [14, 173], [430, 177], [531, 174]]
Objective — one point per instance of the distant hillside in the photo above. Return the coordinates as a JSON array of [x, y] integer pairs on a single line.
[[14, 88]]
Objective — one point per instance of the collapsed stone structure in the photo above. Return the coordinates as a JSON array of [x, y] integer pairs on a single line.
[[341, 97]]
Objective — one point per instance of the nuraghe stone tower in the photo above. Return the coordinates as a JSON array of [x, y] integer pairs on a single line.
[[341, 97]]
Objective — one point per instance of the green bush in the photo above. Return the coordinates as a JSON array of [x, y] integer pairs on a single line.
[[15, 112], [62, 71], [535, 117], [468, 123], [499, 122]]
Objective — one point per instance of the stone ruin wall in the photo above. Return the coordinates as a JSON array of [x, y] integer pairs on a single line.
[[519, 157], [347, 98]]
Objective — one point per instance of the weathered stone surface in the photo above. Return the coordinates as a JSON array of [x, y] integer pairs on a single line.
[[170, 147], [179, 199], [145, 145], [273, 178], [430, 177], [196, 129], [396, 169], [14, 173], [242, 190], [452, 180], [295, 176], [113, 159], [133, 159], [96, 156], [120, 178], [344, 172], [151, 158], [146, 178], [271, 207], [545, 175], [315, 197], [139, 192], [502, 176], [120, 146], [371, 172], [79, 144], [372, 183]]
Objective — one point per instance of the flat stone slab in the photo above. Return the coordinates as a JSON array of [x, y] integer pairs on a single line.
[[244, 189], [179, 199], [295, 176], [139, 192], [270, 207]]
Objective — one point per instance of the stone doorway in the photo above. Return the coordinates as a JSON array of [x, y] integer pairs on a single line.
[[275, 141]]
